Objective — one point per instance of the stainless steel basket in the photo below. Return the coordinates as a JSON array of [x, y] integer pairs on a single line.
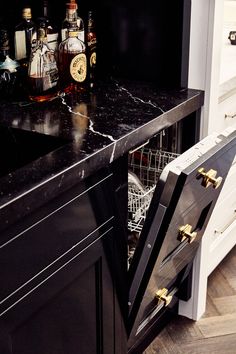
[[145, 168]]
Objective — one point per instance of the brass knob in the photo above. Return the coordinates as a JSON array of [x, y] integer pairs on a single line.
[[161, 295], [209, 178], [185, 233]]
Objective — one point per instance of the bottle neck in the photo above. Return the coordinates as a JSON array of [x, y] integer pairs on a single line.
[[71, 15], [42, 35], [4, 44], [3, 54], [90, 22], [45, 8]]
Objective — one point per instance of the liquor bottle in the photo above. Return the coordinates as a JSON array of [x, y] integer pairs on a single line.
[[72, 16], [9, 68], [91, 39], [43, 71], [72, 61], [52, 32], [25, 35]]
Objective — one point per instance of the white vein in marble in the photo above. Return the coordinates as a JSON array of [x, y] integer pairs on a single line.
[[137, 99], [91, 123]]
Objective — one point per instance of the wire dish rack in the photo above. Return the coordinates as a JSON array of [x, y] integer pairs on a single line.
[[145, 168]]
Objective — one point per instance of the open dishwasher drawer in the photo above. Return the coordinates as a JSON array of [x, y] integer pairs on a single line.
[[167, 222]]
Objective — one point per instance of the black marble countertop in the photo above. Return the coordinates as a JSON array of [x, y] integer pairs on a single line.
[[92, 130]]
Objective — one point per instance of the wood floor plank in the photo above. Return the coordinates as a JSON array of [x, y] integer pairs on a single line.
[[218, 325], [163, 344], [218, 285], [232, 282], [218, 345], [226, 304], [183, 330]]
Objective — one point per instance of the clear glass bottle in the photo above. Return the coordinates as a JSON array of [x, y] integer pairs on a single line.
[[51, 29], [72, 16], [72, 61], [25, 35], [9, 68], [91, 39], [43, 71]]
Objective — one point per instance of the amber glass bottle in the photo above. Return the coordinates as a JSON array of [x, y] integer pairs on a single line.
[[51, 29], [43, 71], [72, 61], [71, 17]]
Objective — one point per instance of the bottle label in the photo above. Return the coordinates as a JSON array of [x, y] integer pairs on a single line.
[[92, 42], [93, 58], [52, 41], [43, 69], [81, 35], [20, 45], [78, 67], [63, 33]]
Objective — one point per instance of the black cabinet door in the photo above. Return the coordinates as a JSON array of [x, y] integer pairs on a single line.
[[178, 214], [76, 310], [62, 289]]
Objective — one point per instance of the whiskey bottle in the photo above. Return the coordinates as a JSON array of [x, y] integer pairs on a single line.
[[72, 61], [25, 35], [91, 49], [9, 68], [72, 16], [51, 30], [43, 71]]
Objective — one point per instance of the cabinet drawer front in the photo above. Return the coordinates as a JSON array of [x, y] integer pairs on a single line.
[[224, 213], [226, 113], [229, 184], [33, 254]]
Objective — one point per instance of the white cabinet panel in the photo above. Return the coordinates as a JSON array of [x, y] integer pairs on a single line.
[[226, 112]]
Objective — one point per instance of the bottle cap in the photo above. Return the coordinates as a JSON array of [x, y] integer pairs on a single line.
[[26, 12], [71, 6]]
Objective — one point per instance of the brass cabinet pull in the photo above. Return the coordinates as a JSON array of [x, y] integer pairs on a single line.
[[209, 178], [161, 296], [186, 233]]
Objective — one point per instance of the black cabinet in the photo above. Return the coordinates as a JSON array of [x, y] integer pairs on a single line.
[[61, 276]]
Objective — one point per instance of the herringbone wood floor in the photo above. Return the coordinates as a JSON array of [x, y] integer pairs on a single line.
[[215, 332]]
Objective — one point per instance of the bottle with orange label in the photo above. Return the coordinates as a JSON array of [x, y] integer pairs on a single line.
[[72, 61]]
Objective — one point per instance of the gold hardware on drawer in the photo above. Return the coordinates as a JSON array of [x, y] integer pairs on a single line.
[[161, 295], [209, 178], [185, 233]]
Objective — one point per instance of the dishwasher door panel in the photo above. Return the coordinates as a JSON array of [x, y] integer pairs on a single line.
[[179, 211]]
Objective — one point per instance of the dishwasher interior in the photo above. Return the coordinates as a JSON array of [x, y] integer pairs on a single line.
[[145, 165]]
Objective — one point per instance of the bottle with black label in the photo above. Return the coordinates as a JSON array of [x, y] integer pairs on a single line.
[[25, 35], [72, 61], [43, 71], [91, 49]]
